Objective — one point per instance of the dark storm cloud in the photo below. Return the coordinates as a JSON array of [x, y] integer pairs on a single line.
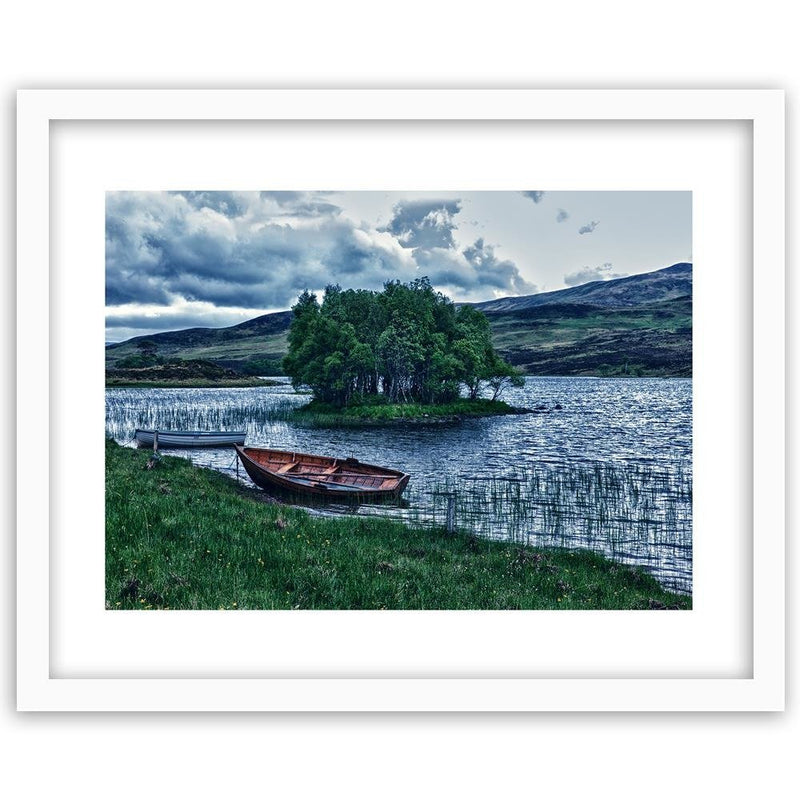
[[351, 256], [535, 196], [271, 267], [207, 258], [562, 215], [589, 227], [127, 288], [492, 271], [588, 274], [165, 247], [424, 224], [426, 227], [473, 270]]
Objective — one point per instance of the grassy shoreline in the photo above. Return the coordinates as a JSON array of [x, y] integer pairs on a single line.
[[378, 413], [194, 374], [182, 537], [188, 383]]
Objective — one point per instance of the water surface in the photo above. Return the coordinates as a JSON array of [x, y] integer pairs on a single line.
[[611, 469]]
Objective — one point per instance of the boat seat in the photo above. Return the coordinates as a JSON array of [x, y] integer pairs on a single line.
[[286, 467]]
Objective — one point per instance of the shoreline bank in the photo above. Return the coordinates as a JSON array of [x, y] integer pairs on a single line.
[[231, 383], [317, 414], [183, 537]]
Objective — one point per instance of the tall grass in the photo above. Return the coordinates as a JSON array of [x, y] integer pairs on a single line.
[[129, 409], [189, 409], [180, 537], [638, 515]]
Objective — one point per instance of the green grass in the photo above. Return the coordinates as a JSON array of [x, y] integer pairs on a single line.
[[651, 340], [376, 412], [181, 537], [236, 348]]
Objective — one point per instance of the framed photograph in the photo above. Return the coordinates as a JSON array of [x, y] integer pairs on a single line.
[[388, 400]]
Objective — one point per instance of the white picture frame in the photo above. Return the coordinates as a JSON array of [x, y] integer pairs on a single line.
[[752, 677]]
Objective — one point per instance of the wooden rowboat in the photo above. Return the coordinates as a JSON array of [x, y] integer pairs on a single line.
[[322, 476], [144, 438]]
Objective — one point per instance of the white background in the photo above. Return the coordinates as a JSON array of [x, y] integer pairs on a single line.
[[580, 45], [710, 159]]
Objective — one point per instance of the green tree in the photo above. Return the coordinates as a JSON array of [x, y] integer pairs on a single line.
[[473, 346], [408, 342], [305, 319], [503, 375]]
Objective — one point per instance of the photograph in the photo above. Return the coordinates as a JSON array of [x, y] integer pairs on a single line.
[[446, 391], [366, 400]]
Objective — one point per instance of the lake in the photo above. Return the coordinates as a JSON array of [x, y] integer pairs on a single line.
[[606, 464]]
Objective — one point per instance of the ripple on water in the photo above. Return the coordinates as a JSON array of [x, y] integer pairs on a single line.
[[610, 470]]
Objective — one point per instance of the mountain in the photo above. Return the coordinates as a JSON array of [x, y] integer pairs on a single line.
[[649, 287], [639, 325], [253, 347]]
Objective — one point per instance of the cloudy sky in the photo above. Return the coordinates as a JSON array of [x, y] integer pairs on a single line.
[[186, 259]]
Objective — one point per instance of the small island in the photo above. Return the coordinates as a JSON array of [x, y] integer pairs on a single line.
[[406, 354], [323, 415]]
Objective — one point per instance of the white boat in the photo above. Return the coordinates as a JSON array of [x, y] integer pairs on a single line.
[[144, 438]]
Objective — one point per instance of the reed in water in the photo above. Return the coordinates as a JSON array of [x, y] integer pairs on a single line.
[[182, 537]]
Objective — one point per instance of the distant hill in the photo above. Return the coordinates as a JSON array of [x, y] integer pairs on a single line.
[[255, 347], [639, 325], [649, 287]]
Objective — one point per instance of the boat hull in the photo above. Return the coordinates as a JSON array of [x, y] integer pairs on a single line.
[[322, 477], [144, 438]]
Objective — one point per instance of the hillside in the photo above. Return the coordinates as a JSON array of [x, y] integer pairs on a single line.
[[669, 283], [574, 339], [253, 347], [639, 325]]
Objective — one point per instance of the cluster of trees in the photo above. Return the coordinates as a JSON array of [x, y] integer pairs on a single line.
[[408, 343]]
